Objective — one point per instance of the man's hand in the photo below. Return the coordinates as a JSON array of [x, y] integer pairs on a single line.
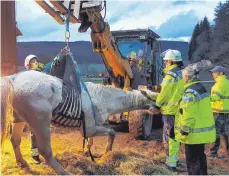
[[65, 51], [154, 110], [41, 66], [147, 111]]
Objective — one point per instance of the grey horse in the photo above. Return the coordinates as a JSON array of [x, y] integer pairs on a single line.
[[34, 96]]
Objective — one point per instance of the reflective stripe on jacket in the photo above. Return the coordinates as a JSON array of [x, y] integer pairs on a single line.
[[195, 116], [220, 95], [172, 88]]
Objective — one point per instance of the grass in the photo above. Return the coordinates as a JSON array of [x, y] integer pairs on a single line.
[[130, 157], [124, 162]]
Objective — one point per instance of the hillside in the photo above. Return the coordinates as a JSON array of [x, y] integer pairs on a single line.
[[46, 51], [82, 50]]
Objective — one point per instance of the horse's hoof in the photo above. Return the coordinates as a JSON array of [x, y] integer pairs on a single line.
[[107, 151], [86, 154], [99, 155], [22, 164]]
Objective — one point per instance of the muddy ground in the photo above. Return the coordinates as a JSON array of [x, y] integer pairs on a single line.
[[129, 156]]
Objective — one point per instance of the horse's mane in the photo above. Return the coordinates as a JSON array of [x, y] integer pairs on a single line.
[[100, 87]]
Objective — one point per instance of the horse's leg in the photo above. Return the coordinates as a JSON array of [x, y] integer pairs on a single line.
[[42, 132], [103, 131], [89, 143], [41, 112], [110, 141], [17, 130]]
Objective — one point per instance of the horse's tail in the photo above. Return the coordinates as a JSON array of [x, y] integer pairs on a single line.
[[6, 107]]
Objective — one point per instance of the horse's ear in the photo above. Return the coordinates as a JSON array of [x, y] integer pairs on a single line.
[[143, 92]]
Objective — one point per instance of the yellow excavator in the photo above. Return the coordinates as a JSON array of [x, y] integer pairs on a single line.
[[89, 15]]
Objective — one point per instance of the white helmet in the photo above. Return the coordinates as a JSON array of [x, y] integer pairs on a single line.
[[173, 55], [28, 59]]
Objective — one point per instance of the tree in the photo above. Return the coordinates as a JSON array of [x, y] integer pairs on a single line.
[[206, 29], [220, 27], [200, 46], [220, 38], [192, 45]]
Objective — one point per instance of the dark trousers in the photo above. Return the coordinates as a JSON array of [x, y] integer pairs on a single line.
[[196, 159], [34, 149], [33, 141], [222, 128]]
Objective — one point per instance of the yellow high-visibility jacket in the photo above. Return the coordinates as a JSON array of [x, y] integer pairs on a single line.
[[172, 88], [220, 95], [195, 116]]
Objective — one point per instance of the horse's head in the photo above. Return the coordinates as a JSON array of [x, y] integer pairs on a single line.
[[116, 100]]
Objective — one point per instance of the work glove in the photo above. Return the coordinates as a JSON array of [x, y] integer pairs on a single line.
[[41, 66], [154, 110]]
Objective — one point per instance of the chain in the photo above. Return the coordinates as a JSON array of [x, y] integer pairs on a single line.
[[67, 33], [67, 37]]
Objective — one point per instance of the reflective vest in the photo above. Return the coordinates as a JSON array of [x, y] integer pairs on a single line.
[[220, 95], [195, 116], [172, 88]]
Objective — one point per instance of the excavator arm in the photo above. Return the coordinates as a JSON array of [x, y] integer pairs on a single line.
[[103, 42], [88, 13]]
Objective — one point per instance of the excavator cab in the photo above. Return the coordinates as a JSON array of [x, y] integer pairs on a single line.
[[142, 46]]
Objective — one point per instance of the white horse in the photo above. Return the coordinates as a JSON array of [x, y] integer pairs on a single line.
[[34, 96]]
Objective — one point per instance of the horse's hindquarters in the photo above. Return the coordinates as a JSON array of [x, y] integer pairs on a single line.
[[6, 105]]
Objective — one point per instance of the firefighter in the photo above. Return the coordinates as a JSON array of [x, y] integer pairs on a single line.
[[220, 107], [195, 124], [139, 77], [133, 55], [32, 63], [141, 64], [134, 68], [140, 60], [172, 88]]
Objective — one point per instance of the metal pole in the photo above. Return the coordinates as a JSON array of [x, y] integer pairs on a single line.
[[8, 38]]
